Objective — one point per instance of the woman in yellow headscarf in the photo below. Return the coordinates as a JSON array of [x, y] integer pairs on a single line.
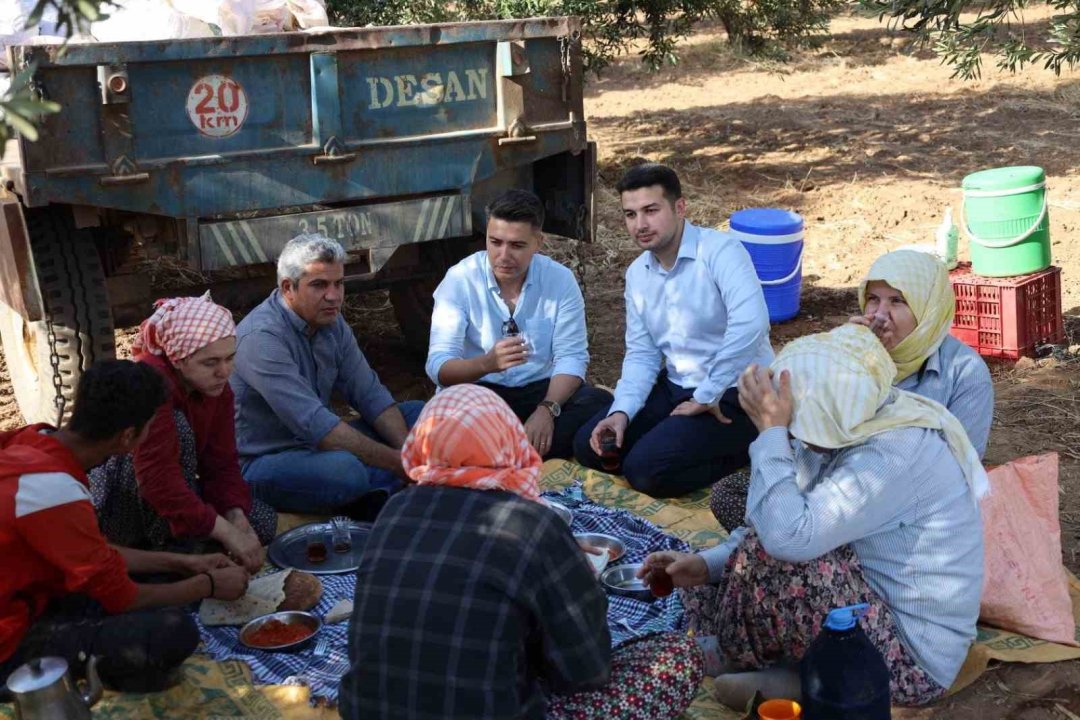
[[907, 299], [875, 502]]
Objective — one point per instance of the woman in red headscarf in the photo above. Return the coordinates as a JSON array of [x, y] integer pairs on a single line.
[[473, 601], [183, 483]]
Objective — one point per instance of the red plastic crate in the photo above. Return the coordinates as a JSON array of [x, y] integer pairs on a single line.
[[1007, 317]]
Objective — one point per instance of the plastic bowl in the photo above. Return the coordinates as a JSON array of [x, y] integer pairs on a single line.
[[562, 511], [289, 617], [622, 580], [615, 547]]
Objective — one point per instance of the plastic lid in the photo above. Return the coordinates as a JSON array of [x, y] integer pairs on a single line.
[[37, 674], [1005, 178], [766, 221], [844, 618]]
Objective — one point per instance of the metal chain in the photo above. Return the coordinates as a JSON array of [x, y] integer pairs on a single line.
[[59, 401], [565, 44]]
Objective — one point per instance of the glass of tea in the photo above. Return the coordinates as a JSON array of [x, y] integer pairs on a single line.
[[316, 550], [341, 534], [609, 452], [660, 583]]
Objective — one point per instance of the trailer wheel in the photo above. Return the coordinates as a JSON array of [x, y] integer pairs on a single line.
[[46, 358]]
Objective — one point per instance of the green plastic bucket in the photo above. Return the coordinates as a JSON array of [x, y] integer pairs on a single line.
[[1006, 221]]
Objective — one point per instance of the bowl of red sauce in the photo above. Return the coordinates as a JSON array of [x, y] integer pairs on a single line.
[[286, 631]]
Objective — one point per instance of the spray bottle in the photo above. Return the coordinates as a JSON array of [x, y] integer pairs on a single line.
[[947, 237]]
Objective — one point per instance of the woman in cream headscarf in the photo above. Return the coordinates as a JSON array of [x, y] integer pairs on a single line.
[[875, 503], [473, 601], [907, 299]]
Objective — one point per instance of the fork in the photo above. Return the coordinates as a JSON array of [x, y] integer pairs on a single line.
[[321, 648], [622, 622]]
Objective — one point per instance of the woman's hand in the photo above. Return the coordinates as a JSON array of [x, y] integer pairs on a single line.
[[241, 542], [684, 569], [766, 406], [194, 564]]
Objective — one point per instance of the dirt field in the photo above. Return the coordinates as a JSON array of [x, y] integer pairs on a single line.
[[869, 141]]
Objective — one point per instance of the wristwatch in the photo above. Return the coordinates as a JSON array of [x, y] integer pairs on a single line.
[[552, 407]]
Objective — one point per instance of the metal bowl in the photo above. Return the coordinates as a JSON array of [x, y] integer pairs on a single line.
[[622, 580], [615, 547], [289, 617], [562, 511]]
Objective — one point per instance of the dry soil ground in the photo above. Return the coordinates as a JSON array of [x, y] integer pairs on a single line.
[[869, 140]]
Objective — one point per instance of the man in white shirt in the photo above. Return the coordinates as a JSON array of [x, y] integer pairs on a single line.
[[694, 306], [513, 321]]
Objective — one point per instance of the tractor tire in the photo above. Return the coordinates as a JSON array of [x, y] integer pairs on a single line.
[[414, 301], [46, 358], [413, 304]]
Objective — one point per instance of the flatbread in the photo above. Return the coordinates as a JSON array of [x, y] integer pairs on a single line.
[[264, 594], [302, 591]]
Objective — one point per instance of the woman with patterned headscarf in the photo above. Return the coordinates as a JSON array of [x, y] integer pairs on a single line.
[[907, 299], [473, 601], [183, 484], [875, 502]]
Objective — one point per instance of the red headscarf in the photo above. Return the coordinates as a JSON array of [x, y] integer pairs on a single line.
[[182, 326], [468, 437]]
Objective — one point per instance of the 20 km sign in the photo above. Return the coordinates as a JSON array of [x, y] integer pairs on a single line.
[[217, 105]]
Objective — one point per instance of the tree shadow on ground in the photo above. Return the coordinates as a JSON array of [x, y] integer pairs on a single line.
[[805, 145]]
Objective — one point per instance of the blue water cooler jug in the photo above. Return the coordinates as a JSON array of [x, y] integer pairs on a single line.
[[842, 674]]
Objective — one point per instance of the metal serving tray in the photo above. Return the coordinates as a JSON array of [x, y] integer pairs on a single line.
[[289, 550]]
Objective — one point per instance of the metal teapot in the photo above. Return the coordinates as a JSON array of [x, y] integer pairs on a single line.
[[44, 690]]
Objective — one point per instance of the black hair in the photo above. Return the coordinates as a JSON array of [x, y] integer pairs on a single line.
[[517, 206], [114, 395], [649, 174]]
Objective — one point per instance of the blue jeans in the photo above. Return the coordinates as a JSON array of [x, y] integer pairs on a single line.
[[307, 480]]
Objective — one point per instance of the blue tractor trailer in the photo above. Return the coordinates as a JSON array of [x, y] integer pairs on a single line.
[[205, 156]]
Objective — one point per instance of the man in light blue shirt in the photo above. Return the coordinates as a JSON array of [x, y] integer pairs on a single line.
[[513, 321], [694, 308]]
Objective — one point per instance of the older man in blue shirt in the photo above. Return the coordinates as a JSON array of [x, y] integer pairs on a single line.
[[293, 351], [513, 321], [694, 308]]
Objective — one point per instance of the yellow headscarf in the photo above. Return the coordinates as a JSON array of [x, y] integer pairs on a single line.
[[924, 280], [842, 385]]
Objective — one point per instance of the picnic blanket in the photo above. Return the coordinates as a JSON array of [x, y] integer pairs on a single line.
[[321, 673], [211, 689], [627, 617]]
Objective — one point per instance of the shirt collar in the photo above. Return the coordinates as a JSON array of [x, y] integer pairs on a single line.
[[295, 321], [688, 248], [932, 364]]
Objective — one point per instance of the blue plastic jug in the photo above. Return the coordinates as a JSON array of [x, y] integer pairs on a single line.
[[842, 674]]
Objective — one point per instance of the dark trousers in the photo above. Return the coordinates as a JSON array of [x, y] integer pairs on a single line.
[[666, 456], [137, 650], [582, 405]]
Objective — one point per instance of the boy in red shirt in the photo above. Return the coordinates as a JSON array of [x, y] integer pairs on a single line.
[[66, 591]]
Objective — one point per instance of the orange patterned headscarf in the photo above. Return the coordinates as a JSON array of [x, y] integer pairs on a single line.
[[468, 437]]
